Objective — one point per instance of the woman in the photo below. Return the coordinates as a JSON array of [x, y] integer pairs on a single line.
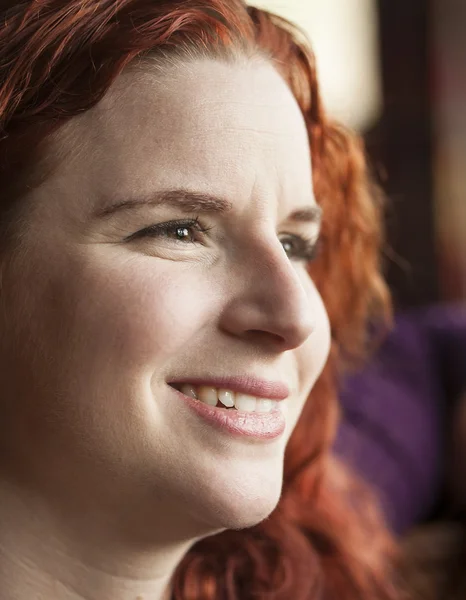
[[160, 218]]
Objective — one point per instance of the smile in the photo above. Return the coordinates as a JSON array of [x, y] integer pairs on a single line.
[[223, 398], [234, 411]]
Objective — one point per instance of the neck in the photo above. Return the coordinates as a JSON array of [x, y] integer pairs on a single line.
[[43, 555]]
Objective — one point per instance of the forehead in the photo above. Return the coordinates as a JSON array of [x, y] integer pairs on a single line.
[[226, 129]]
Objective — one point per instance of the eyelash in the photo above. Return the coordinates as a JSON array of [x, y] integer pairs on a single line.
[[306, 250], [164, 229]]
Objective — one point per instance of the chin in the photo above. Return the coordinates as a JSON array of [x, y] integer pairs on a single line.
[[242, 519], [240, 503]]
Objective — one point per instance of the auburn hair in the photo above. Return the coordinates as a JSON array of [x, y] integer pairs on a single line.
[[58, 58]]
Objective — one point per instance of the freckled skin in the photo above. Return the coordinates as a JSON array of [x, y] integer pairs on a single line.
[[103, 324]]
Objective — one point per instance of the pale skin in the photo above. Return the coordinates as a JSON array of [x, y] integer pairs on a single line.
[[107, 478]]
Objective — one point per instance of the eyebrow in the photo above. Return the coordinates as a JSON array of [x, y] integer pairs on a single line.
[[310, 214], [185, 200], [197, 202]]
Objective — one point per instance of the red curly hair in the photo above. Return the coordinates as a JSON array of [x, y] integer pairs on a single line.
[[58, 58]]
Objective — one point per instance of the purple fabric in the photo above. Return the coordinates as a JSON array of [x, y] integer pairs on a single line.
[[395, 412]]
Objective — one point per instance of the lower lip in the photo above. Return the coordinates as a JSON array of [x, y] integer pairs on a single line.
[[262, 426]]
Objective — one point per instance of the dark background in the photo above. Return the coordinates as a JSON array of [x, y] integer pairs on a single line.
[[401, 149]]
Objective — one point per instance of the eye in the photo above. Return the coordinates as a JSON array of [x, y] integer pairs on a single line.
[[185, 232], [300, 248]]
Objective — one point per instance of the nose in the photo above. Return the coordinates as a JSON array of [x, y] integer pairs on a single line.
[[270, 303]]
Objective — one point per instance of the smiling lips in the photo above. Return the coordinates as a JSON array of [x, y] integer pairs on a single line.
[[240, 406]]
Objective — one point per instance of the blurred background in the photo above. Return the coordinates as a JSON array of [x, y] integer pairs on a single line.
[[394, 70]]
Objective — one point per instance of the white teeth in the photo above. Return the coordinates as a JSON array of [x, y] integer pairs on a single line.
[[189, 390], [263, 405], [245, 403], [227, 398], [208, 395]]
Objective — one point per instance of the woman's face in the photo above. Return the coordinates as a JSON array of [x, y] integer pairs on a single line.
[[105, 318]]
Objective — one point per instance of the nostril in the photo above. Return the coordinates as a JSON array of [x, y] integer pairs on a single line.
[[266, 336]]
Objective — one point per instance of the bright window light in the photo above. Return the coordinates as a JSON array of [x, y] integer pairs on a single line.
[[344, 36]]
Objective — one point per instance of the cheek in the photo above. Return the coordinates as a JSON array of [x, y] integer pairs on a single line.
[[315, 351], [106, 314], [149, 309], [321, 338], [313, 354]]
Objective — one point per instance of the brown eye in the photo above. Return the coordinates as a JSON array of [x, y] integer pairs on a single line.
[[288, 246], [185, 232], [299, 248]]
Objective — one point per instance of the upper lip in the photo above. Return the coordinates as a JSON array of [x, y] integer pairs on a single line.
[[245, 384]]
